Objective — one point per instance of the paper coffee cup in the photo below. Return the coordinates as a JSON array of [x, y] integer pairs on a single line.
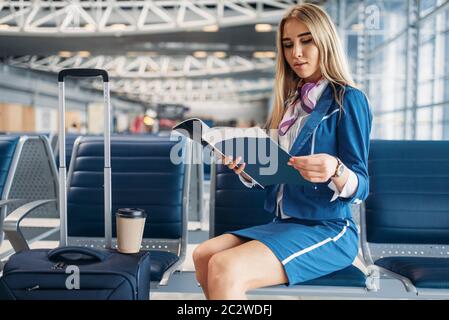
[[130, 226]]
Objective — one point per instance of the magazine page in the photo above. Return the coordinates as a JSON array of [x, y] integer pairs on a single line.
[[193, 128], [266, 162]]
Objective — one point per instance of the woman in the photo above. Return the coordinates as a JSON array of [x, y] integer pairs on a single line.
[[325, 123]]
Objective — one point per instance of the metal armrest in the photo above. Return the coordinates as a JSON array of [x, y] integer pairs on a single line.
[[371, 274], [10, 201], [167, 274], [377, 270], [373, 278], [11, 225]]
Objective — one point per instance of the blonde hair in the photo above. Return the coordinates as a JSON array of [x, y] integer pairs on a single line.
[[332, 61]]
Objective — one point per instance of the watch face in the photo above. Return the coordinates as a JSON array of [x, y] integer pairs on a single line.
[[341, 169]]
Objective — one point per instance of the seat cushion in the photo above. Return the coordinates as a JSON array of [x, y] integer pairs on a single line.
[[348, 277], [423, 272], [160, 262]]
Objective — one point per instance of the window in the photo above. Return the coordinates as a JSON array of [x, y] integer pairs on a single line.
[[388, 65]]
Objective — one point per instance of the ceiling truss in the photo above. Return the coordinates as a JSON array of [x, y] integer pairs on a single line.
[[167, 79], [147, 67], [107, 17], [167, 91]]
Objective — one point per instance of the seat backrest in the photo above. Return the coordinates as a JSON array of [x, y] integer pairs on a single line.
[[69, 143], [143, 176], [206, 171], [409, 194], [196, 173], [232, 205], [48, 134], [32, 175], [7, 147]]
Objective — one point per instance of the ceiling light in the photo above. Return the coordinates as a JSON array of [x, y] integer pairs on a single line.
[[263, 27], [211, 28], [84, 54], [151, 113], [65, 54], [118, 26], [89, 27], [148, 45], [264, 54], [220, 54], [141, 54], [200, 54]]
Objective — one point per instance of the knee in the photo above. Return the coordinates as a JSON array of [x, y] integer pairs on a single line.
[[200, 255], [224, 271]]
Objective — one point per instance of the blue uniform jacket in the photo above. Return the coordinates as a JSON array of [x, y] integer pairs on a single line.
[[347, 138]]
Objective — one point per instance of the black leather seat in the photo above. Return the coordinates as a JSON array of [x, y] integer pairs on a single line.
[[423, 272]]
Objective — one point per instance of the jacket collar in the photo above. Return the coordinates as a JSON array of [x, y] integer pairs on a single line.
[[314, 119]]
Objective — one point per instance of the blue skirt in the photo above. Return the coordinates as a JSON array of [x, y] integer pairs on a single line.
[[308, 249]]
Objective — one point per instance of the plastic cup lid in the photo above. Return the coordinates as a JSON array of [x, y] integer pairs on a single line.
[[131, 213]]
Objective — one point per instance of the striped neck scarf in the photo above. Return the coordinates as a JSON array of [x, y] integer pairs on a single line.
[[306, 97]]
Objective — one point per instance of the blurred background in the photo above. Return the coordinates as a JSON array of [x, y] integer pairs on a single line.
[[171, 60]]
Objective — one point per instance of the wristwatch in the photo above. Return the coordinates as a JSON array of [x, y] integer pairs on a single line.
[[339, 170]]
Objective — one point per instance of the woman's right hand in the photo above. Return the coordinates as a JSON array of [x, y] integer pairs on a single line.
[[232, 164]]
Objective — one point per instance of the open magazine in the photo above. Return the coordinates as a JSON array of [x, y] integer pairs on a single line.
[[266, 162]]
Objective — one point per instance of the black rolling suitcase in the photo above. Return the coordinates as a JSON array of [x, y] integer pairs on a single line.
[[76, 272]]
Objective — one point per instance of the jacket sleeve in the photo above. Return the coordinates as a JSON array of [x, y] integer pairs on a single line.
[[248, 184], [353, 134]]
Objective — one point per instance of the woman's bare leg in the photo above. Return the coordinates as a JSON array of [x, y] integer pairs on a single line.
[[248, 266], [203, 253]]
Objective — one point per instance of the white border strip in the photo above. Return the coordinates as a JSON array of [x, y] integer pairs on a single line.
[[317, 245]]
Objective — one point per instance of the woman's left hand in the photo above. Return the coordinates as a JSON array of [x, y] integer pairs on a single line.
[[315, 168]]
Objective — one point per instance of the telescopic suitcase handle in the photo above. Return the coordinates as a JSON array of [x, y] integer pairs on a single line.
[[83, 73]]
